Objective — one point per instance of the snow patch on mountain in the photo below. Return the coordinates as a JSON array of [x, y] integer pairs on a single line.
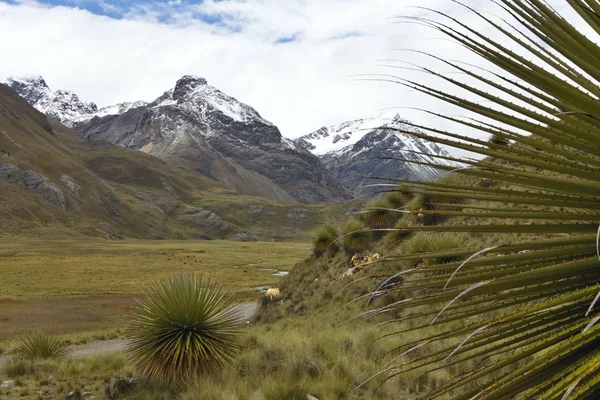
[[196, 96], [340, 139], [358, 151], [63, 105]]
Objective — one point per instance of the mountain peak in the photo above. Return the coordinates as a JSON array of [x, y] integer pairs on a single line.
[[361, 148], [31, 88], [36, 80], [187, 84]]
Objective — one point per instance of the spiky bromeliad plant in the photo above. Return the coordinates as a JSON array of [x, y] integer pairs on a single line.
[[324, 240], [357, 237], [380, 214], [40, 346], [525, 316], [181, 328]]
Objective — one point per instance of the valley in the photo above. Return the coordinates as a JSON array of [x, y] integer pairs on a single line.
[[84, 288], [181, 246]]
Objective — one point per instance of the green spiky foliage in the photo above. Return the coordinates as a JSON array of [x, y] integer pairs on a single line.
[[444, 244], [357, 237], [432, 247], [181, 328], [524, 319], [324, 240], [399, 234], [380, 214], [40, 346], [397, 199]]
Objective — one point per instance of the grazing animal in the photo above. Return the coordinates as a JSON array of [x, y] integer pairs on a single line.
[[273, 294]]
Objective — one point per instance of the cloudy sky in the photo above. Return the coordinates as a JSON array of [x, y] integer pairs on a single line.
[[297, 62]]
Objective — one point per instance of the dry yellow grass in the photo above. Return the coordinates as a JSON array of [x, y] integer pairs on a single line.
[[84, 285]]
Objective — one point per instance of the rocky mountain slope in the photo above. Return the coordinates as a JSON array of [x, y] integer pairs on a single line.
[[196, 126], [355, 152], [53, 181], [63, 105]]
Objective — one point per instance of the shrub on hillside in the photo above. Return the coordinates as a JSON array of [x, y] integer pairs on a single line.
[[183, 327], [357, 237], [399, 234], [446, 242], [324, 240], [397, 199], [430, 243], [380, 214]]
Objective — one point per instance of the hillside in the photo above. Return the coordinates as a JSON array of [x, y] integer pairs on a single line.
[[196, 126], [52, 179]]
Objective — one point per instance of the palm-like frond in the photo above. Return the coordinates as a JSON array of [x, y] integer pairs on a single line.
[[524, 311], [181, 328]]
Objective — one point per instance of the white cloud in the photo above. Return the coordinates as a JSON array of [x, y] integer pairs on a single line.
[[300, 85]]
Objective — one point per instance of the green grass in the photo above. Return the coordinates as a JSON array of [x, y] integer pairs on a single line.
[[33, 267], [316, 354], [84, 288]]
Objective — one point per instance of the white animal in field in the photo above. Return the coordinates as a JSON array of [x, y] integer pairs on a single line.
[[273, 294]]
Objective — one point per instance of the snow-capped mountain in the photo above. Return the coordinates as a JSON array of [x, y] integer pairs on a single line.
[[197, 126], [355, 152], [62, 105]]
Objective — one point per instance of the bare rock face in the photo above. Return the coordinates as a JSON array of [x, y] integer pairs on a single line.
[[197, 126], [207, 222], [365, 152], [246, 237], [63, 105], [72, 185], [34, 182]]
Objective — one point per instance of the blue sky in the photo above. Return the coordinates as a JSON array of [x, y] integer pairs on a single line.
[[161, 11], [299, 63]]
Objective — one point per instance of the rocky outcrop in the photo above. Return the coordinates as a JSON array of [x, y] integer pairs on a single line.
[[207, 222], [246, 237], [117, 387], [72, 185], [34, 182]]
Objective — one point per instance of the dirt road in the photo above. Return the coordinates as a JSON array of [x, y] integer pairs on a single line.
[[245, 311]]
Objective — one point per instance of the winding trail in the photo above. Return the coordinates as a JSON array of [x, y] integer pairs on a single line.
[[245, 311]]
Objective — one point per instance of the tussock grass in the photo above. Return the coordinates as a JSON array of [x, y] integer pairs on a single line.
[[397, 199], [324, 240], [380, 214], [397, 236], [53, 378], [183, 327], [357, 236], [40, 346]]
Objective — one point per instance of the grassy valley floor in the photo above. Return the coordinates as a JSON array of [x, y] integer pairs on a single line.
[[84, 288]]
